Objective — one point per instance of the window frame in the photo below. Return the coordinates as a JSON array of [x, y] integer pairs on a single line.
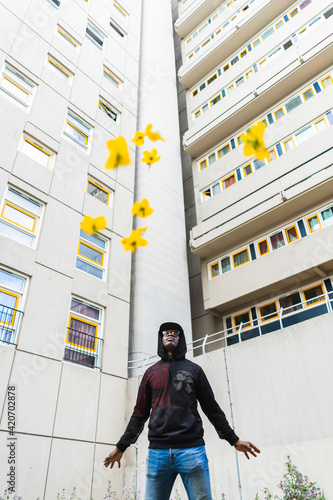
[[311, 217], [89, 181], [219, 269], [11, 74], [103, 251], [98, 32], [267, 244], [243, 327], [87, 134], [276, 315], [317, 301], [41, 148], [237, 253], [287, 233]]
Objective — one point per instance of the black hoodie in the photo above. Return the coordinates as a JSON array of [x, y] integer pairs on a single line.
[[169, 392]]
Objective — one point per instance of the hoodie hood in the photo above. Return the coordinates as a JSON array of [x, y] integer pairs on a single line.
[[180, 351]]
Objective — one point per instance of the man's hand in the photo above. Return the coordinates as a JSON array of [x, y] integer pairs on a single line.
[[115, 456], [246, 447]]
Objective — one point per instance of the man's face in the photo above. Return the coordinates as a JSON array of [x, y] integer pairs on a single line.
[[170, 340]]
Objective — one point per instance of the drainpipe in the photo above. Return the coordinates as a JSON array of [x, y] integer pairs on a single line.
[[233, 425]]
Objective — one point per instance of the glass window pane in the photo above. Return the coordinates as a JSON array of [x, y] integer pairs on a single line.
[[223, 151], [268, 311], [7, 300], [243, 318], [289, 144], [314, 294], [58, 71], [247, 170], [211, 158], [277, 240], [90, 253], [216, 189], [304, 134], [85, 309], [72, 131], [20, 218], [97, 192], [89, 268], [258, 164], [23, 202], [215, 270], [279, 113], [16, 234], [215, 100], [308, 94], [14, 89], [225, 265], [263, 247], [314, 223], [93, 239], [292, 234], [241, 258], [327, 214], [10, 281], [297, 101], [321, 125], [291, 303], [203, 164], [327, 82], [35, 153], [229, 182], [267, 33]]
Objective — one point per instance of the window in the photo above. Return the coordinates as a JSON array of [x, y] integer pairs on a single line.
[[111, 77], [207, 194], [242, 319], [67, 38], [327, 82], [289, 144], [17, 87], [268, 311], [211, 79], [205, 108], [249, 74], [304, 134], [119, 10], [197, 114], [77, 131], [234, 60], [308, 94], [321, 125], [95, 35], [263, 247], [279, 25], [226, 67], [297, 101], [214, 270], [83, 341], [230, 88], [91, 255], [36, 151], [229, 181], [58, 69], [256, 43], [20, 217], [205, 43], [11, 290], [258, 164], [211, 158], [327, 215], [291, 303], [247, 170], [117, 29], [272, 155], [195, 92], [279, 113], [241, 257], [223, 151], [277, 240], [216, 189], [225, 265], [56, 2], [242, 54], [203, 164], [313, 295], [215, 100], [106, 108], [267, 33], [97, 192], [292, 234], [313, 223], [293, 13], [202, 86], [240, 81]]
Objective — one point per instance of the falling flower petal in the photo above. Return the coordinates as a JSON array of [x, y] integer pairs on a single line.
[[139, 138], [254, 142], [142, 209], [91, 226], [134, 240], [119, 154], [150, 157], [153, 136]]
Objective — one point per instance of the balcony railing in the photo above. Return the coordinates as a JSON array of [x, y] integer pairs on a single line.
[[9, 323], [283, 318], [83, 349]]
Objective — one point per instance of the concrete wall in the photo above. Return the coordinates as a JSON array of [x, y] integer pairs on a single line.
[[279, 389]]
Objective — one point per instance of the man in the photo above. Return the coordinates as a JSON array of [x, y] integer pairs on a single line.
[[170, 389]]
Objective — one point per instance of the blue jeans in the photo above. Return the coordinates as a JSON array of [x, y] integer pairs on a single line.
[[163, 466]]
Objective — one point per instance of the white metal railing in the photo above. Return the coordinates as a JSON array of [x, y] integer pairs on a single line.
[[257, 324]]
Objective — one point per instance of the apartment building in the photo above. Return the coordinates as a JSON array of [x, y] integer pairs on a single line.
[[263, 228], [69, 82]]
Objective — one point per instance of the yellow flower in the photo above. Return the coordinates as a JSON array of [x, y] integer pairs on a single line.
[[151, 157], [142, 209], [153, 136], [139, 138], [134, 240], [254, 142], [119, 154], [91, 226]]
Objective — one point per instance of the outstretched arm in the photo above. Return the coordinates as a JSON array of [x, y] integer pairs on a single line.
[[246, 447], [115, 456]]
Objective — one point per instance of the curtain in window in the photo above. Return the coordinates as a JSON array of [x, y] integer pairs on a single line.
[[241, 258], [277, 240], [82, 334], [229, 182]]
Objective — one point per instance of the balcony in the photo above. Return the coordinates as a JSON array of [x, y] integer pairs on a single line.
[[192, 15], [83, 349], [223, 46], [298, 65], [9, 323]]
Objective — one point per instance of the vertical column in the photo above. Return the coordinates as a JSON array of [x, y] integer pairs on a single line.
[[159, 276]]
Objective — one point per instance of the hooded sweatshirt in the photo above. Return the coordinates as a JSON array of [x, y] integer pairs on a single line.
[[168, 393]]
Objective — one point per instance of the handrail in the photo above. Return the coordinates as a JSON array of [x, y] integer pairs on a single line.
[[225, 334]]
